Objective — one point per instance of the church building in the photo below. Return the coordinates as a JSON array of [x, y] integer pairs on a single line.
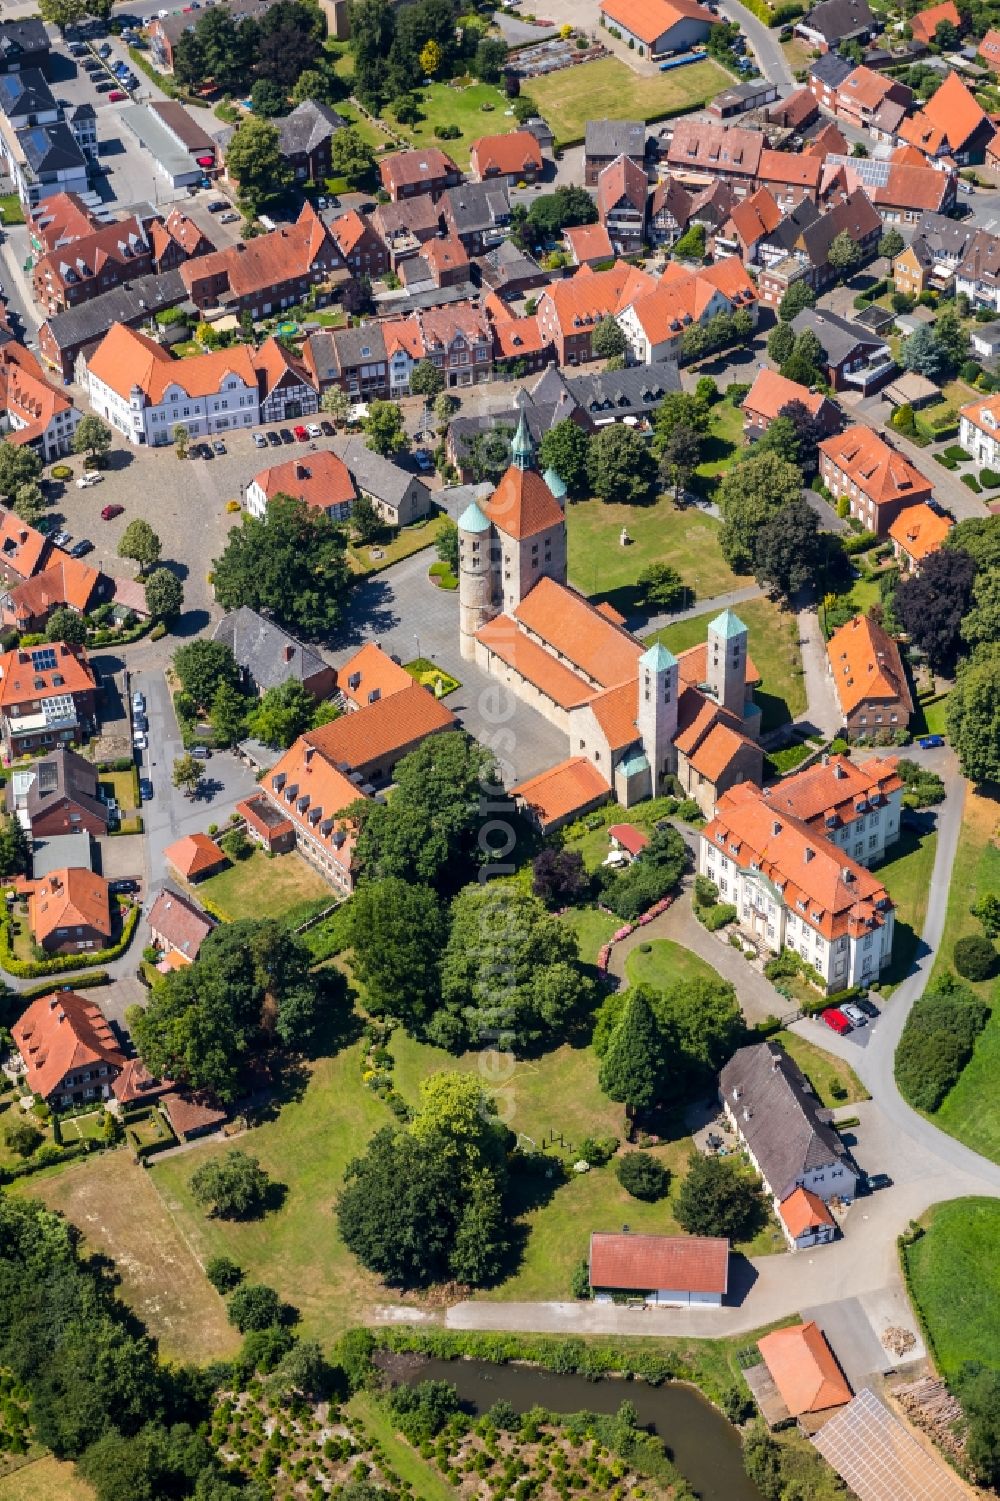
[[633, 715]]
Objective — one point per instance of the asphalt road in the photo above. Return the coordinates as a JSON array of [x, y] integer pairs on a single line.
[[770, 58]]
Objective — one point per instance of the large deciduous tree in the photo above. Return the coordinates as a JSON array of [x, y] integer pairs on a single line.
[[254, 159], [233, 1187], [396, 931], [788, 549], [974, 714], [564, 448], [750, 494], [620, 465], [201, 666], [384, 430], [930, 605], [140, 543], [720, 1197], [292, 564]]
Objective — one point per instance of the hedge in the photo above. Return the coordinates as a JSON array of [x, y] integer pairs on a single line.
[[972, 483], [63, 963], [718, 916], [859, 542], [85, 982], [66, 1154], [989, 478], [938, 1041]]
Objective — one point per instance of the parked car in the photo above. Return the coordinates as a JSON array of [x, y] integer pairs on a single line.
[[327, 428], [836, 1020], [203, 450], [81, 548], [229, 218], [139, 741], [92, 65], [104, 86], [314, 430], [116, 96], [218, 447], [423, 459], [105, 49], [138, 702], [273, 439], [867, 1005], [145, 789], [855, 1015], [259, 441], [930, 742], [202, 753], [61, 539], [87, 478], [217, 205], [300, 433], [286, 435], [875, 1181], [124, 885], [110, 512]]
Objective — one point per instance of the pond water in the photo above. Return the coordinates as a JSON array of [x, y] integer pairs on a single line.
[[703, 1445]]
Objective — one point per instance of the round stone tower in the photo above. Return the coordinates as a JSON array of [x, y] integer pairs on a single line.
[[475, 577]]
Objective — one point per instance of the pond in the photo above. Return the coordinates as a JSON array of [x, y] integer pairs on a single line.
[[703, 1445]]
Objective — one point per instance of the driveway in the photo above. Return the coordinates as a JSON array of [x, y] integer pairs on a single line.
[[771, 60]]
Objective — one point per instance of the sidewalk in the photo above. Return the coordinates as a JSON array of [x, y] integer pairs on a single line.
[[641, 625]]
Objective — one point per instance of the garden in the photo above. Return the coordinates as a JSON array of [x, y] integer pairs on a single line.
[[431, 676], [286, 887], [609, 89], [375, 556]]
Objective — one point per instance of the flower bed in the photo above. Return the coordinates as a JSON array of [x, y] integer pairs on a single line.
[[604, 953]]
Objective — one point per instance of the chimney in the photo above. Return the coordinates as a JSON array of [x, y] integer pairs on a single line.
[[847, 874], [289, 653], [839, 772], [301, 472], [776, 827], [824, 759], [808, 854]]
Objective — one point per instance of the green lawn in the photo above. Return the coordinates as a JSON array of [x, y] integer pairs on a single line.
[[121, 785], [688, 540], [407, 541], [259, 886], [478, 109], [11, 211], [592, 928], [822, 1070], [955, 1280], [47, 1479], [608, 89], [931, 719], [972, 1110], [774, 648], [665, 963], [907, 877], [725, 439], [592, 842]]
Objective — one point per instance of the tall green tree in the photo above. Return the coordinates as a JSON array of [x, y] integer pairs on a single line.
[[931, 605], [799, 296], [140, 543], [620, 466], [427, 379], [720, 1197], [351, 156], [228, 714], [13, 847], [254, 159], [397, 931], [19, 465], [974, 714], [292, 564], [750, 494], [788, 549], [201, 665], [981, 624], [844, 254], [608, 340], [631, 1070], [164, 594], [233, 1187], [385, 433], [564, 448], [92, 437], [282, 715], [65, 624], [29, 502]]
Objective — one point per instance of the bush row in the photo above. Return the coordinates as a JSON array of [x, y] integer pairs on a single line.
[[937, 1042], [62, 963], [47, 1156], [83, 982]]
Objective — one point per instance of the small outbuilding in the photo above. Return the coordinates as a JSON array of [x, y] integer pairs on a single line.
[[676, 1271], [194, 857], [806, 1220]]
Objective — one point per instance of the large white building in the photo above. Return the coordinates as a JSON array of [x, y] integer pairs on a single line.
[[857, 805]]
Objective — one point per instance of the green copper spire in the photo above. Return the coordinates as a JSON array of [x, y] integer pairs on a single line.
[[523, 450]]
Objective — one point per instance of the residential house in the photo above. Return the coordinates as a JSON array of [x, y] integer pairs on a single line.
[[977, 275], [26, 99], [320, 480], [805, 1220], [408, 174], [568, 311], [276, 270], [69, 911], [686, 1271], [305, 140], [989, 51], [861, 93], [675, 208], [589, 245], [361, 360], [43, 160], [856, 805], [561, 794], [932, 258], [266, 825], [176, 239], [23, 549], [519, 345], [194, 857], [622, 189], [877, 480], [831, 22], [399, 497], [285, 390], [33, 413], [360, 246], [789, 177], [64, 583], [24, 44], [369, 675], [57, 794], [771, 1105], [855, 359], [870, 680], [828, 138], [478, 214], [808, 238], [751, 220], [404, 226], [94, 263], [966, 128], [804, 1370], [654, 322], [66, 338], [48, 697], [795, 112], [58, 220], [902, 192], [770, 396], [916, 533], [606, 140], [164, 32], [826, 74], [700, 151], [924, 23], [658, 27], [512, 158], [69, 1052], [82, 121], [177, 927], [442, 262], [269, 656], [978, 431]]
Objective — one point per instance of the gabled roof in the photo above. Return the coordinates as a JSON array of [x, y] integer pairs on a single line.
[[838, 337], [880, 472], [804, 1369], [829, 69], [776, 1111], [61, 1033], [194, 855], [789, 169], [866, 665], [506, 155], [71, 897], [381, 729], [622, 179], [837, 20], [924, 23], [319, 478], [181, 924], [561, 790], [803, 1210], [127, 359], [954, 109], [408, 168], [40, 672], [270, 654], [651, 19], [605, 653], [835, 790], [919, 531], [771, 393], [522, 505], [371, 674], [613, 138], [755, 216], [644, 1263], [307, 127], [701, 146]]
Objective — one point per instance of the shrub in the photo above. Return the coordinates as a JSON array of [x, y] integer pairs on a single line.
[[718, 916], [974, 957], [223, 1273], [597, 1150], [27, 970], [989, 478], [579, 1282], [937, 1042], [706, 893], [970, 481], [62, 471], [254, 1306], [23, 1137], [642, 1176]]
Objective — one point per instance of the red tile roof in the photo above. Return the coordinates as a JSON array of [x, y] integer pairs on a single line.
[[406, 168], [126, 358], [866, 665], [650, 19], [989, 51], [533, 663], [880, 472], [61, 1033], [371, 671], [194, 855], [629, 837], [522, 505], [642, 1263], [383, 729], [919, 531], [513, 154], [69, 898], [954, 109], [924, 23], [790, 169], [621, 179], [588, 641], [771, 393], [320, 479], [755, 216], [589, 242], [192, 1112], [830, 791], [22, 548], [179, 923], [21, 680], [803, 1210], [804, 1370], [556, 794]]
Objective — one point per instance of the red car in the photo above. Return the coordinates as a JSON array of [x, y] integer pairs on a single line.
[[110, 512], [836, 1020], [301, 434], [116, 96]]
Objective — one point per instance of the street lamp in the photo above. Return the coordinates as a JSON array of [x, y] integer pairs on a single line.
[[417, 640]]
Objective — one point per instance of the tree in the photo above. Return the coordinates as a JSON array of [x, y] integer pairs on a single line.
[[140, 543], [780, 342], [946, 35], [805, 434], [282, 714], [291, 564], [982, 623], [680, 455], [930, 605], [657, 871], [336, 402], [799, 296], [228, 714], [788, 549], [223, 1273], [662, 588], [720, 1197], [254, 159], [923, 354], [430, 58], [201, 665], [632, 1066], [974, 714], [385, 433], [62, 13], [446, 404], [620, 465], [22, 1136], [487, 455], [427, 379], [608, 339], [564, 448], [351, 156], [367, 524], [978, 1389], [974, 957], [253, 1306], [691, 245], [980, 538], [750, 494], [66, 625], [446, 545], [164, 594], [396, 931], [491, 54], [558, 875], [19, 465], [268, 99], [311, 85], [891, 244], [233, 1187], [642, 1176], [92, 437], [188, 774], [987, 909], [762, 1461], [844, 254], [804, 364], [937, 1041]]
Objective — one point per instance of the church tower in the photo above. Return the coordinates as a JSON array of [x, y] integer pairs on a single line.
[[656, 717], [726, 662], [476, 590], [530, 527]]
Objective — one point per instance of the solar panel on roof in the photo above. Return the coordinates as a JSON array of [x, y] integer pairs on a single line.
[[43, 659], [878, 1457], [872, 171]]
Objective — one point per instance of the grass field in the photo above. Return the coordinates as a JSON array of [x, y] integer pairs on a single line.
[[45, 1479], [774, 648], [592, 928], [115, 1205], [687, 540], [907, 877], [443, 104], [822, 1070], [665, 963], [286, 887], [121, 786], [955, 1279], [725, 439], [407, 541], [609, 89], [972, 1110]]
